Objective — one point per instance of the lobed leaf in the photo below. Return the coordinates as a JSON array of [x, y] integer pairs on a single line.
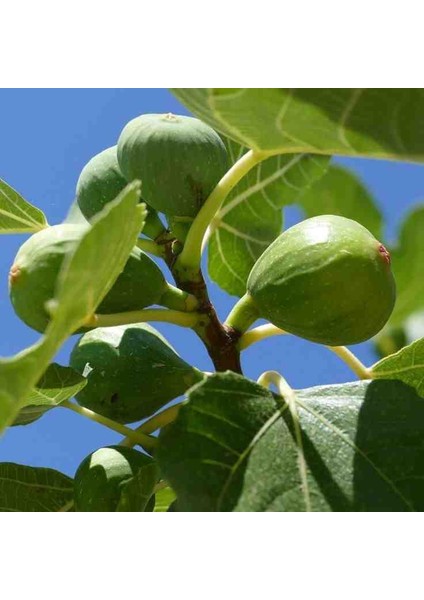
[[408, 267], [56, 385], [34, 489], [406, 365], [374, 123], [341, 192], [251, 217], [18, 215], [350, 447], [163, 499]]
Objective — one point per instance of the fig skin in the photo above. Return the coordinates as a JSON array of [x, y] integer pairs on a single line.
[[100, 476], [178, 159], [327, 279], [131, 371], [34, 273], [100, 182]]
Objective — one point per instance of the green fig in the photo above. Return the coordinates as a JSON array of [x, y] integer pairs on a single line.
[[327, 279], [178, 159], [101, 475], [34, 273], [100, 182], [131, 371]]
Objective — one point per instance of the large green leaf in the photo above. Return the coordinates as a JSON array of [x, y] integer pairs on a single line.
[[84, 280], [56, 385], [340, 192], [408, 267], [407, 365], [251, 217], [350, 447], [16, 214], [163, 499], [34, 489], [375, 123]]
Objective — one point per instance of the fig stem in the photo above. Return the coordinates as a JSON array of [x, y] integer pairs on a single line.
[[265, 331], [243, 314], [156, 422], [183, 319], [177, 299], [189, 260], [146, 441], [352, 361], [257, 334], [151, 247], [153, 226]]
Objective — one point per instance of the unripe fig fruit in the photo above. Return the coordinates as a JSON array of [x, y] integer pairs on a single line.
[[34, 273], [179, 160], [100, 182], [101, 475], [327, 279], [131, 371]]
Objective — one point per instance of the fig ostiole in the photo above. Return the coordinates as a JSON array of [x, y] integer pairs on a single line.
[[131, 371], [99, 478], [34, 273], [326, 279], [178, 159]]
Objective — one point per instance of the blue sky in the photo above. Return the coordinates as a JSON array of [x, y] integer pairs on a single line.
[[47, 136]]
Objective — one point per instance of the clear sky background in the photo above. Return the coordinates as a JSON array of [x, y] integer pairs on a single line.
[[46, 137]]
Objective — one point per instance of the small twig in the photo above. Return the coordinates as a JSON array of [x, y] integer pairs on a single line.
[[144, 440], [265, 331], [154, 423], [183, 319]]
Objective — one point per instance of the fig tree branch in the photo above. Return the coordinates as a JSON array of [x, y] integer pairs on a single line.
[[189, 260]]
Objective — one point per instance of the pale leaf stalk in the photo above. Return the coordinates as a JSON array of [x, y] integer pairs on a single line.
[[137, 437], [183, 319], [188, 262], [265, 331], [257, 334], [352, 361], [154, 423], [274, 378]]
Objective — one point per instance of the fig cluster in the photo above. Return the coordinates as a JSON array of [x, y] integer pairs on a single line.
[[131, 370]]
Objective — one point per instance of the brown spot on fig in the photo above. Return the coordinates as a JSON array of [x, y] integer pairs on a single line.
[[114, 398], [384, 253], [14, 274]]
